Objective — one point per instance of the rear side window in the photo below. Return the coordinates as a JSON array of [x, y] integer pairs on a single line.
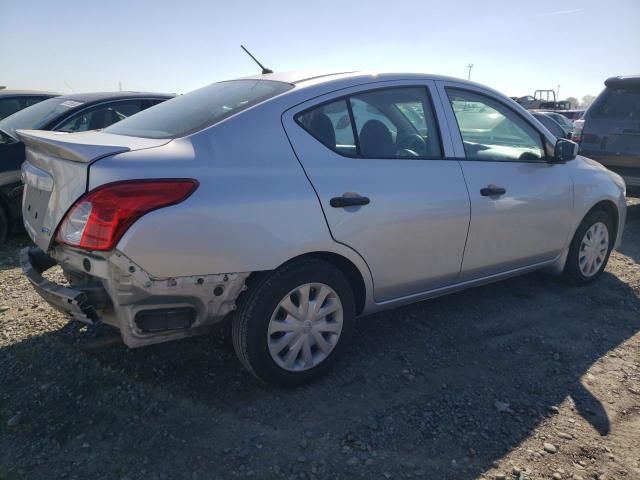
[[617, 103], [330, 124], [199, 109], [384, 123]]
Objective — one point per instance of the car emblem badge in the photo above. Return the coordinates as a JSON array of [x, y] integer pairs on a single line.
[[45, 230]]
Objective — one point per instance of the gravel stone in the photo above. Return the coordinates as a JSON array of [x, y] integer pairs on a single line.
[[13, 421]]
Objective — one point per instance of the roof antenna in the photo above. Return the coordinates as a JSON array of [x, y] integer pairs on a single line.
[[264, 70]]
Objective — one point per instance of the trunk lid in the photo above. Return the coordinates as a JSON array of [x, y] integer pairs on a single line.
[[56, 173]]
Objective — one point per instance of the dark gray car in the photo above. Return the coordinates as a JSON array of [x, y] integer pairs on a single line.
[[611, 131], [78, 112], [12, 101], [551, 124]]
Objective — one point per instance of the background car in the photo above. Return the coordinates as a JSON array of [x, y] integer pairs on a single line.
[[611, 129], [12, 101], [297, 204], [572, 115], [68, 113], [566, 124], [551, 124]]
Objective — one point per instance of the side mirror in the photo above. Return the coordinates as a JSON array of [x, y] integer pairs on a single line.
[[565, 150]]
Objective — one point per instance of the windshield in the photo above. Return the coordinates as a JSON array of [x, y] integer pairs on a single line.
[[36, 116], [199, 109]]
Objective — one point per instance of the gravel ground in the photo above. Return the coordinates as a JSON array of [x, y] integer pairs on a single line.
[[524, 379]]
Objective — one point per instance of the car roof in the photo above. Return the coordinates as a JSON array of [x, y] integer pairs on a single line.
[[323, 82], [303, 78], [623, 80], [16, 93], [99, 96]]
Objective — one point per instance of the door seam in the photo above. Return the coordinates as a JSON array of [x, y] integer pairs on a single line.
[[326, 220], [466, 240]]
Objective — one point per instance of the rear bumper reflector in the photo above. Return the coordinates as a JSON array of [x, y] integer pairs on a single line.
[[163, 319]]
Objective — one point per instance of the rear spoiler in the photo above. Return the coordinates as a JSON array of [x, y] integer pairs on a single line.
[[68, 146], [621, 82]]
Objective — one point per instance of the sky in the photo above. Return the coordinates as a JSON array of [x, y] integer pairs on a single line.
[[516, 46]]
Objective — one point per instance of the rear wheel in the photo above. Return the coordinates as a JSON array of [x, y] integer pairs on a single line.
[[4, 225], [590, 248], [293, 323]]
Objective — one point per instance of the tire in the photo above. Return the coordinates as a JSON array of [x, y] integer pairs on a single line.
[[573, 272], [260, 313], [4, 225]]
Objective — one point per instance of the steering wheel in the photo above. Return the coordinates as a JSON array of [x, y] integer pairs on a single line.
[[414, 143]]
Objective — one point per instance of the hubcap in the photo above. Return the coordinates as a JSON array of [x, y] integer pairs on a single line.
[[593, 249], [305, 327]]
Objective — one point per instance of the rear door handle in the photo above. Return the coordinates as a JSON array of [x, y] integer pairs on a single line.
[[492, 191], [348, 201]]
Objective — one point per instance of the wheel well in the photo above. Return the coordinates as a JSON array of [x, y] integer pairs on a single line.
[[610, 209], [354, 277], [351, 272]]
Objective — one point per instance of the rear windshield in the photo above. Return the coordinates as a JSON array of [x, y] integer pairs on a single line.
[[37, 116], [620, 103], [198, 109]]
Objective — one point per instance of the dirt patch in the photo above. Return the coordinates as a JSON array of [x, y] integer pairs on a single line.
[[524, 379]]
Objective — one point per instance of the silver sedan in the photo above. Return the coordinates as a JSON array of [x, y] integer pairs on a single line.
[[294, 204]]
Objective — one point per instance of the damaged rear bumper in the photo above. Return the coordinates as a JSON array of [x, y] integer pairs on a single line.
[[82, 305], [113, 289]]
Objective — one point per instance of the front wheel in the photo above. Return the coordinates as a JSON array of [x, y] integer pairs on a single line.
[[590, 249], [293, 323]]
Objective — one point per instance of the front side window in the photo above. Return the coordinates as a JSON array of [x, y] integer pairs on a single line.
[[491, 131], [100, 116], [383, 123]]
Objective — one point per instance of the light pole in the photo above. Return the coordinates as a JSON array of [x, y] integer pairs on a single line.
[[470, 66], [558, 92]]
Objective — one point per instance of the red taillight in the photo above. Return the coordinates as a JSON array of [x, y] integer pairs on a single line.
[[99, 218]]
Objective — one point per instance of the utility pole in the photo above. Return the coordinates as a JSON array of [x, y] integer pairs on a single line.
[[470, 66], [558, 92]]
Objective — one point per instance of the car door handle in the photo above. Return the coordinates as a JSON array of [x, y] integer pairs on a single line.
[[492, 191], [348, 201]]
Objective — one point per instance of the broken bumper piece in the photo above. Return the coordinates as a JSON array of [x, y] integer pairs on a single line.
[[81, 303]]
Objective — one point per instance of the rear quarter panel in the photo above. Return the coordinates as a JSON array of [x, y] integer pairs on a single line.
[[254, 209]]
